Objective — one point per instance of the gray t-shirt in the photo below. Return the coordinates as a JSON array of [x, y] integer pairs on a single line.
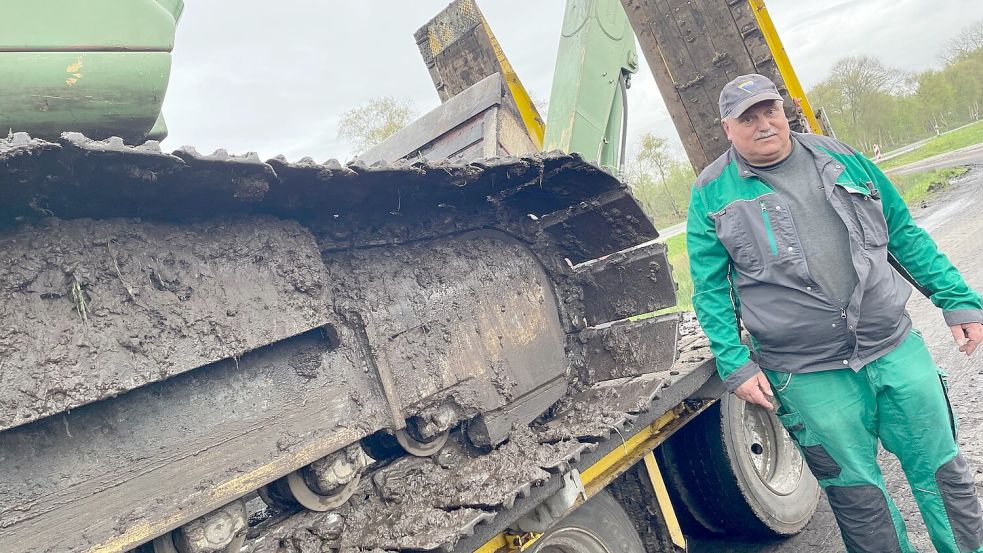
[[824, 238]]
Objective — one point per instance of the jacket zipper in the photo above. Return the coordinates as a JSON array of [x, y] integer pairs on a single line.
[[771, 234]]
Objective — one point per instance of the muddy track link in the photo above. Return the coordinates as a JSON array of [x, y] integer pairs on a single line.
[[185, 328], [417, 504]]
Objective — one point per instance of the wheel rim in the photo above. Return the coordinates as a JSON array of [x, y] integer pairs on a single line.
[[572, 540], [304, 494], [772, 454]]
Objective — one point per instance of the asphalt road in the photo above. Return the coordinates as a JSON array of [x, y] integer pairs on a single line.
[[955, 219]]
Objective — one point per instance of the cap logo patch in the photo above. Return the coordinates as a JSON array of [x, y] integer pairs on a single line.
[[746, 86]]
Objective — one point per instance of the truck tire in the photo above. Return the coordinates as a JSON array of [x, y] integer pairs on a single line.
[[599, 526], [734, 470]]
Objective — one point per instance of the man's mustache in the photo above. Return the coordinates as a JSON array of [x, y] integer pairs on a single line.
[[763, 135]]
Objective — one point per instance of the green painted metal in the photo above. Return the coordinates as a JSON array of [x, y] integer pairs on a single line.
[[159, 130], [596, 58], [99, 67], [100, 94], [88, 25]]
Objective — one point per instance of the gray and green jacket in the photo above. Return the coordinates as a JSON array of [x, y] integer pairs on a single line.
[[747, 264]]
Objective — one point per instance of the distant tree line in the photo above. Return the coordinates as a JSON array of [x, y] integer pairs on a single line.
[[869, 103]]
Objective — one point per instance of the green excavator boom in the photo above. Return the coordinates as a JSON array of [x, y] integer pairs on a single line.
[[587, 111]]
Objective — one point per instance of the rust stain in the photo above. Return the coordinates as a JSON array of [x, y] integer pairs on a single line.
[[75, 71]]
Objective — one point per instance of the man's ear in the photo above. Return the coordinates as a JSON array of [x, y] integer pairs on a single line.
[[726, 126]]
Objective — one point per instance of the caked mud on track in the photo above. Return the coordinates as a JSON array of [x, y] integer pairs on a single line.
[[185, 329]]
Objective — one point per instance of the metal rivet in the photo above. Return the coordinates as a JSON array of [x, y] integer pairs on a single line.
[[834, 325], [791, 249], [778, 208], [809, 288], [845, 362]]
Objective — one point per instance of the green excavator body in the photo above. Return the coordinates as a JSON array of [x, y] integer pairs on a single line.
[[99, 67]]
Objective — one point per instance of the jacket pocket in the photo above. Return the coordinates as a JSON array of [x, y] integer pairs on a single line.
[[736, 228], [870, 213]]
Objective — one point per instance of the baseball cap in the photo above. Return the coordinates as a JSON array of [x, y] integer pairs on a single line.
[[745, 91]]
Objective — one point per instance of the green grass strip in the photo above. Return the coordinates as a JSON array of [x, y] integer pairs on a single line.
[[966, 136]]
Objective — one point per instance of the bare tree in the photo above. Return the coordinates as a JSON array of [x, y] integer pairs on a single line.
[[654, 155], [860, 78], [369, 124], [863, 81], [969, 40]]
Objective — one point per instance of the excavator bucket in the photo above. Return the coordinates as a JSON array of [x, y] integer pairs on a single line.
[[460, 50]]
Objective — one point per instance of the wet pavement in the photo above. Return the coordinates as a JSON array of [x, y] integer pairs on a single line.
[[955, 219], [964, 156]]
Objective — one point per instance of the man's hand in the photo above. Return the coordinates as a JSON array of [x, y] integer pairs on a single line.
[[757, 390], [967, 336]]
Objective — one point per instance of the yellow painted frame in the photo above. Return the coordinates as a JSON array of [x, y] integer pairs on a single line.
[[783, 63], [596, 477], [527, 110]]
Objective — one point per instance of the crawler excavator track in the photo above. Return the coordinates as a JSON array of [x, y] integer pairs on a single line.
[[181, 330]]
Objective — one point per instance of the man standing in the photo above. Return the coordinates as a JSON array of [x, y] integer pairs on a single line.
[[793, 235]]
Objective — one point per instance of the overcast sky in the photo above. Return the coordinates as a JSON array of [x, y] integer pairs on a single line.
[[274, 77]]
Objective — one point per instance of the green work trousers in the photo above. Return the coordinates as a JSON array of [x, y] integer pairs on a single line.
[[837, 418]]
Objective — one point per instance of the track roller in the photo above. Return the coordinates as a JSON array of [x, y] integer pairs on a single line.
[[221, 531], [421, 448], [323, 485], [425, 435]]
